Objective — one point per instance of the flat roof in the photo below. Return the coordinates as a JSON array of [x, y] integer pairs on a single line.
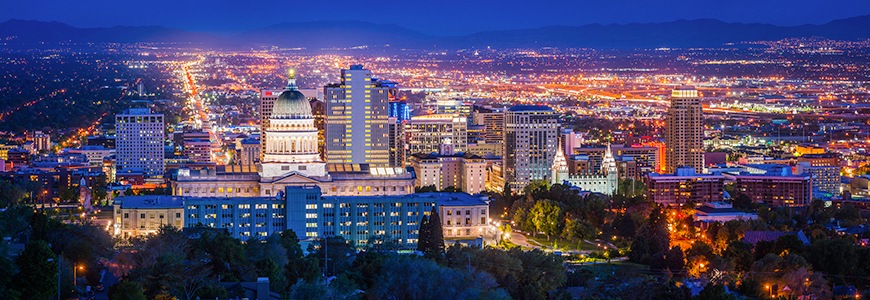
[[150, 201]]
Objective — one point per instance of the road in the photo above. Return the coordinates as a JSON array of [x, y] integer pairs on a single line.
[[522, 241]]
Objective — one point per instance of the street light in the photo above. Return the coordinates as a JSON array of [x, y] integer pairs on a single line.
[[75, 280]]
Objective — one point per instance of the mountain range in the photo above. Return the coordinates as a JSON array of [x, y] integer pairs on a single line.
[[346, 34]]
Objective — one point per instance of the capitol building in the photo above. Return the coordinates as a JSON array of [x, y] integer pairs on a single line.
[[291, 158]]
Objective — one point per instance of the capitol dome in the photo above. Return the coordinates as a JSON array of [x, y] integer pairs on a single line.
[[291, 104]]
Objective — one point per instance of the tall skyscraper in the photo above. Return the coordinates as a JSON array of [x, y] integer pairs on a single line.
[[140, 142], [531, 137], [684, 131], [356, 119]]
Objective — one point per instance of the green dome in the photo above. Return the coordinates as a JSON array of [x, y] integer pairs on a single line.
[[291, 104]]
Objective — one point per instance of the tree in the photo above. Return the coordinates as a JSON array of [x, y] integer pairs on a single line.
[[334, 254], [547, 215], [624, 225], [10, 194], [407, 277], [741, 253], [126, 290], [298, 266], [675, 259], [423, 235], [37, 278], [714, 292], [577, 230], [436, 234], [789, 243]]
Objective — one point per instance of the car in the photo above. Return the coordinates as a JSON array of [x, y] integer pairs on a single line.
[[100, 288]]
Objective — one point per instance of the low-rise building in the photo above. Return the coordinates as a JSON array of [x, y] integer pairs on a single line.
[[142, 215], [776, 188], [722, 212], [356, 218], [684, 186], [463, 171]]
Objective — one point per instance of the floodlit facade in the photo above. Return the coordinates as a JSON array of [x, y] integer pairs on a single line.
[[531, 138], [684, 131], [142, 215]]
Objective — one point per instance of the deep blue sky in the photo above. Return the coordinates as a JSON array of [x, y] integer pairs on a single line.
[[445, 17]]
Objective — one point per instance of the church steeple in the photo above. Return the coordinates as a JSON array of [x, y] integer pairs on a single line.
[[559, 170]]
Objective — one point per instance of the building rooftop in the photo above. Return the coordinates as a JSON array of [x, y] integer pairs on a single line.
[[442, 199], [530, 108], [150, 201]]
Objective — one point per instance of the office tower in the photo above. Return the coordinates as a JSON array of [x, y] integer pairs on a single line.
[[318, 110], [267, 100], [531, 136], [494, 122], [427, 133], [684, 132], [400, 110], [397, 143], [356, 119], [139, 142]]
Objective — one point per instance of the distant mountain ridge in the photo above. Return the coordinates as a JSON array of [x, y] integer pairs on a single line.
[[676, 34], [329, 34], [53, 32], [346, 34]]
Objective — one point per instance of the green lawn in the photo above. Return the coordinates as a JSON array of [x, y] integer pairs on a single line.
[[563, 244], [512, 245]]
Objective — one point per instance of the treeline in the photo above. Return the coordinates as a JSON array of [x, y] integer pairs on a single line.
[[193, 263], [52, 249]]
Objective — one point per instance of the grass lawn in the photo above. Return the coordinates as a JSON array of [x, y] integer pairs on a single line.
[[512, 245], [563, 244]]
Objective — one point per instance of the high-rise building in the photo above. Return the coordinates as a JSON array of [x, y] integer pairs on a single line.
[[400, 110], [426, 133], [319, 112], [356, 119], [531, 136], [494, 122], [397, 143], [140, 142], [684, 132]]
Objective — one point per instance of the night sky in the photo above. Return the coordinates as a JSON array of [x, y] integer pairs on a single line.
[[442, 18]]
